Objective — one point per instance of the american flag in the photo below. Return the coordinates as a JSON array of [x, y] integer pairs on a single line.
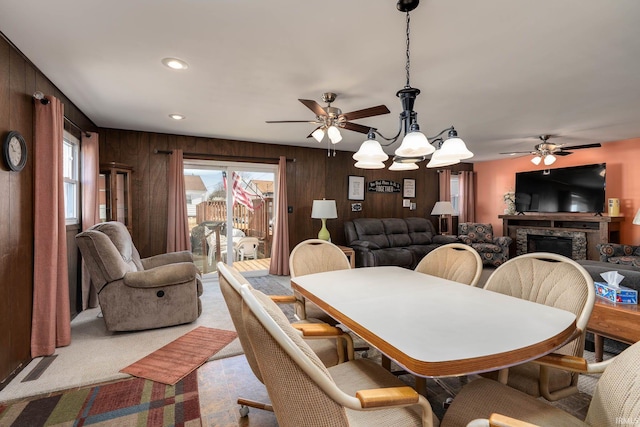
[[240, 195]]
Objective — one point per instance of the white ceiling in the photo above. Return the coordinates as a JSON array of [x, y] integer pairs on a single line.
[[500, 71]]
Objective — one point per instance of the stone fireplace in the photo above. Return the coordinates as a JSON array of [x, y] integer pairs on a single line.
[[572, 244]]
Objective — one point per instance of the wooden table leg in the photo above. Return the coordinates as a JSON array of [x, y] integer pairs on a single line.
[[421, 385], [598, 341], [385, 362]]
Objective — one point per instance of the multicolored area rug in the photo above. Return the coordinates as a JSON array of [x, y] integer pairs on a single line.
[[134, 402]]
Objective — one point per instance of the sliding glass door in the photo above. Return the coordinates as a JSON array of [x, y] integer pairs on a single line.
[[230, 208]]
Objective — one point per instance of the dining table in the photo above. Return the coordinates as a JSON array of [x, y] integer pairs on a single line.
[[434, 327]]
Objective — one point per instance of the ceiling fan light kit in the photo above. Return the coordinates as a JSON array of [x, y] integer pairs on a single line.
[[547, 152]]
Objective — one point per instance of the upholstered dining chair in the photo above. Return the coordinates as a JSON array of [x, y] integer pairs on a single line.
[[329, 343], [306, 393], [556, 281], [315, 256], [139, 293], [615, 400], [455, 261]]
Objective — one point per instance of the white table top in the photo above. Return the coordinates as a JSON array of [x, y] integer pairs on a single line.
[[433, 326]]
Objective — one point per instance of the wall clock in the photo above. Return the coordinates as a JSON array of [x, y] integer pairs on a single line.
[[14, 151]]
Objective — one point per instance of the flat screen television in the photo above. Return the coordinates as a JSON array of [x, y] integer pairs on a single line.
[[578, 189]]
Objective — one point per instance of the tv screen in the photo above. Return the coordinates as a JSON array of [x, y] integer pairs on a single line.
[[574, 189]]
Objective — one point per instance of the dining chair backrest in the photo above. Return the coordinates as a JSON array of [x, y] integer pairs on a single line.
[[230, 283], [454, 261], [557, 281], [316, 256]]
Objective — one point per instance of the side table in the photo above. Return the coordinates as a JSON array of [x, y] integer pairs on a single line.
[[616, 321], [350, 253]]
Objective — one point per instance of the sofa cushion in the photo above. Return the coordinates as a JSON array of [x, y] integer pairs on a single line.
[[401, 257], [372, 230], [477, 233], [420, 230], [397, 232]]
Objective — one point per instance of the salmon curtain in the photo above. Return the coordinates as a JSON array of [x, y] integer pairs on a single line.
[[444, 194], [90, 205], [51, 319], [467, 197], [177, 220], [280, 247]]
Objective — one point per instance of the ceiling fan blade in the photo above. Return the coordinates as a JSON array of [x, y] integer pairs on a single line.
[[367, 112], [313, 106], [562, 153], [519, 152], [355, 127], [578, 147], [291, 121]]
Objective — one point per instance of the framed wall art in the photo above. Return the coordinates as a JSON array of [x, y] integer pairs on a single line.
[[356, 187], [409, 188]]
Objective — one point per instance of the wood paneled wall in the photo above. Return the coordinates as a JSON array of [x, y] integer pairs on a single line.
[[313, 175], [19, 79]]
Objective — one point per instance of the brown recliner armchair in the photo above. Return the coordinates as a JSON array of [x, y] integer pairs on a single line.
[[134, 293]]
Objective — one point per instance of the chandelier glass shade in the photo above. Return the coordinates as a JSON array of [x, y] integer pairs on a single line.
[[396, 166], [415, 143]]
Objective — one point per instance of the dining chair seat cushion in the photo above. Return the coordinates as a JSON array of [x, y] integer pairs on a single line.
[[362, 374], [525, 378], [471, 403]]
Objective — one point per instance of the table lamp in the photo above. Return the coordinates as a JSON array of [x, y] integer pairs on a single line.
[[443, 209], [324, 209]]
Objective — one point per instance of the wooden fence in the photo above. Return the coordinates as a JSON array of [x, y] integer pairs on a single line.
[[253, 224]]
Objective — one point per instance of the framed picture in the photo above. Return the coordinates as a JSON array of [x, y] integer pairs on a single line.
[[356, 187], [409, 188]]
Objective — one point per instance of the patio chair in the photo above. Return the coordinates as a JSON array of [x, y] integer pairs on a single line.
[[315, 256], [615, 400], [556, 281], [247, 247], [455, 261], [329, 343], [306, 393]]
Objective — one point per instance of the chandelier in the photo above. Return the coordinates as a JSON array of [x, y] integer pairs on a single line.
[[415, 146]]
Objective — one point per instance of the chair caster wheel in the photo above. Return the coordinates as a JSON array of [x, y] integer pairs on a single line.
[[244, 411], [447, 403]]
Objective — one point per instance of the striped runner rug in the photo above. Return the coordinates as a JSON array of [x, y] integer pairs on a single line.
[[177, 359]]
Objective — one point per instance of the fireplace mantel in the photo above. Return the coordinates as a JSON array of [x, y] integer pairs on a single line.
[[598, 229]]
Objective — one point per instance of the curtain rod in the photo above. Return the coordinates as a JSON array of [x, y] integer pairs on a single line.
[[221, 157], [76, 126]]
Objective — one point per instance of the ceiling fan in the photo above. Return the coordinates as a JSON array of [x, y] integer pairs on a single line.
[[546, 151], [331, 118]]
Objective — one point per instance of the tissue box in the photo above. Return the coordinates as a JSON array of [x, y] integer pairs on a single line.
[[620, 296]]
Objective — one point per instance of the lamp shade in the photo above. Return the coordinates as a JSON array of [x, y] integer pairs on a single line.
[[396, 166], [636, 220], [318, 134], [536, 160], [334, 134], [437, 160], [415, 144], [370, 152], [324, 209], [443, 208], [549, 159], [454, 149]]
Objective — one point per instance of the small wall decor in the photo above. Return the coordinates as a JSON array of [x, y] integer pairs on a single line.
[[409, 188], [356, 207], [356, 187], [406, 203], [384, 186]]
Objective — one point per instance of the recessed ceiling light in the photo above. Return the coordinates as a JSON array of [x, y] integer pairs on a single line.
[[177, 116], [175, 63]]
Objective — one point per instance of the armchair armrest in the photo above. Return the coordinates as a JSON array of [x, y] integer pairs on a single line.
[[168, 258], [503, 241], [165, 275], [572, 363], [364, 244], [499, 420], [445, 239], [318, 330], [283, 299], [390, 396]]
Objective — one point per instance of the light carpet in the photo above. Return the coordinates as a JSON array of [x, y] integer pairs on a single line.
[[96, 355]]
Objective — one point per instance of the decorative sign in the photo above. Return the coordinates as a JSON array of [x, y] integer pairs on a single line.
[[384, 186]]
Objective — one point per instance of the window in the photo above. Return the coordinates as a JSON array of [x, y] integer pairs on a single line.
[[70, 175], [455, 193]]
